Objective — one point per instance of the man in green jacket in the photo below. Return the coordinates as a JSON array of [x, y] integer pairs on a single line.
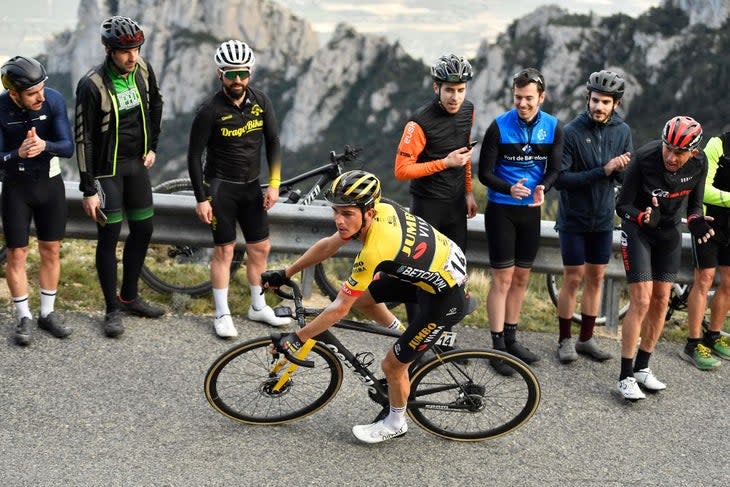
[[118, 115]]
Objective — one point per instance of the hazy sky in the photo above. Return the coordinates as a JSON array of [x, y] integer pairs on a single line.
[[425, 28]]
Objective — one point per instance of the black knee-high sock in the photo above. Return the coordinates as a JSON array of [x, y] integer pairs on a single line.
[[642, 360], [135, 249], [106, 263]]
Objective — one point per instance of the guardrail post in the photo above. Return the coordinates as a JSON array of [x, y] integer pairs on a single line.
[[611, 304], [307, 278]]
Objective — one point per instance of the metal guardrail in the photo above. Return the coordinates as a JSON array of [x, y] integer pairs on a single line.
[[295, 228]]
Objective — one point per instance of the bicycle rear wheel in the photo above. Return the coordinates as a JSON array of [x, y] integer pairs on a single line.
[[555, 281], [239, 384], [460, 396], [183, 269]]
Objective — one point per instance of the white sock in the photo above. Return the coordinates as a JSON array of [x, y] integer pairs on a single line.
[[48, 300], [220, 298], [22, 309], [397, 325], [396, 418], [257, 299]]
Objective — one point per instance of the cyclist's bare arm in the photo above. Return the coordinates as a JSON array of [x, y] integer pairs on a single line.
[[320, 251], [336, 310]]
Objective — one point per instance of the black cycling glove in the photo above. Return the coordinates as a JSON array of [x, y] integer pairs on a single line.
[[288, 343], [698, 226], [275, 278]]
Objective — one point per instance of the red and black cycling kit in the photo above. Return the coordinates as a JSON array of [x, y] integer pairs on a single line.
[[655, 253], [33, 187], [438, 191]]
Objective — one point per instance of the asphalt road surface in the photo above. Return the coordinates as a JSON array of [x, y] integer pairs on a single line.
[[95, 411]]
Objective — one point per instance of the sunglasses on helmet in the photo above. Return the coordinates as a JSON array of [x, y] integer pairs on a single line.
[[232, 74], [529, 75]]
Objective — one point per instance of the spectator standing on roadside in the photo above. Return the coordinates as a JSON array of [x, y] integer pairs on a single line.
[[231, 128], [702, 350], [662, 178], [434, 153], [118, 117], [34, 132], [598, 147], [519, 161]]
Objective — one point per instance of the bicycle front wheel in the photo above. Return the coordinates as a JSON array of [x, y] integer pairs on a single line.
[[460, 396], [240, 385], [555, 281]]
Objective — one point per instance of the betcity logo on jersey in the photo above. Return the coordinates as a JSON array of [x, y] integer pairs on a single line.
[[250, 126], [432, 278]]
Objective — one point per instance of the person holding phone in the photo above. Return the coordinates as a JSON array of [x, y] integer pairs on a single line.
[[519, 162], [34, 132], [118, 118], [435, 151], [598, 147]]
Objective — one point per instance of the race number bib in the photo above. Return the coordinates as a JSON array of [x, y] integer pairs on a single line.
[[456, 265]]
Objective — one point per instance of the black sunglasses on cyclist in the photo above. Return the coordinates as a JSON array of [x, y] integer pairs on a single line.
[[236, 73], [530, 74]]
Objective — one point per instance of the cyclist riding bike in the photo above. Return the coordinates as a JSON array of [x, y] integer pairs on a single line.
[[403, 258], [663, 176]]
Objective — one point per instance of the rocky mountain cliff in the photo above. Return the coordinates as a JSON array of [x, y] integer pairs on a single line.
[[359, 89]]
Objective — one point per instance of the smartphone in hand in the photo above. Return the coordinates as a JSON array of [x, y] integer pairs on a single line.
[[99, 216], [472, 144]]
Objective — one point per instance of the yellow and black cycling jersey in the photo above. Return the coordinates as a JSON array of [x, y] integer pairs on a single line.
[[405, 246]]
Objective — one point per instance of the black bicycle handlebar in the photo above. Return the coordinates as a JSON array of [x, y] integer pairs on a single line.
[[275, 337]]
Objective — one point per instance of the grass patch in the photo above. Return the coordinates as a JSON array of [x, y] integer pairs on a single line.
[[79, 291]]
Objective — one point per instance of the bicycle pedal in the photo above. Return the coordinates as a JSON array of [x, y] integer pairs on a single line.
[[283, 312]]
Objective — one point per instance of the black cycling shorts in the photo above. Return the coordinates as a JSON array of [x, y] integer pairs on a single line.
[[650, 255], [128, 192], [579, 248], [448, 217], [43, 200], [513, 235], [436, 313], [237, 202]]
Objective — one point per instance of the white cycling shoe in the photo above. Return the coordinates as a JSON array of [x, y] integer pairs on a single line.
[[646, 378], [629, 389], [266, 315], [224, 327], [377, 432]]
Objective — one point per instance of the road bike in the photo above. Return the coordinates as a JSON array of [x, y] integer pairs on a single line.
[[454, 394], [185, 269]]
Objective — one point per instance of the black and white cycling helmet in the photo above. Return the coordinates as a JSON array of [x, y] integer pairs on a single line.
[[451, 69], [354, 188], [121, 33], [20, 73], [606, 82], [234, 54]]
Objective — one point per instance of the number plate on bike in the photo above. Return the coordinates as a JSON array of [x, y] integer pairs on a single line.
[[447, 338]]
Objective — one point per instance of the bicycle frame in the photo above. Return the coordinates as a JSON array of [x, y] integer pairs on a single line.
[[377, 390]]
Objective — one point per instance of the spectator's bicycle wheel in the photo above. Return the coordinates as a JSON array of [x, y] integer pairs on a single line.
[[184, 269]]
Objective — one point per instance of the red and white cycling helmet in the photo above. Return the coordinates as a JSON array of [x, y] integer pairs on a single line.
[[682, 132]]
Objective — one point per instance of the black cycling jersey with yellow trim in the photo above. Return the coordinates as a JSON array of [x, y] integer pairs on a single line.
[[405, 246], [232, 138]]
